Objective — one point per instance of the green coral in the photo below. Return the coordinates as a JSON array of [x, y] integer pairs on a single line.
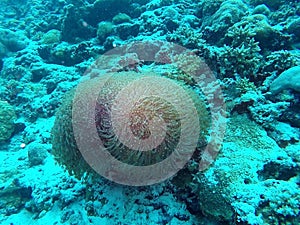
[[243, 59], [7, 117], [104, 30], [279, 61], [51, 37], [121, 18], [244, 85]]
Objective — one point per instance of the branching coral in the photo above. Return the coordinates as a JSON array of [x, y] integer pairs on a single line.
[[279, 61], [243, 60], [244, 85]]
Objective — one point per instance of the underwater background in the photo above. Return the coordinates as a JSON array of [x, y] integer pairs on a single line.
[[237, 62]]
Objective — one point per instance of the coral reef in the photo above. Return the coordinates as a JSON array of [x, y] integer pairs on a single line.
[[261, 169], [250, 46]]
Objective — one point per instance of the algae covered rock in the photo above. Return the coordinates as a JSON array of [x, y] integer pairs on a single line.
[[294, 27], [7, 117], [13, 41], [14, 198], [37, 153], [274, 4]]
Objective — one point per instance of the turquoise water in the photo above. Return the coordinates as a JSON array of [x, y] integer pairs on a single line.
[[149, 112]]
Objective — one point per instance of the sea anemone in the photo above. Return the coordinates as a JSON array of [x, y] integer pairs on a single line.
[[123, 124]]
